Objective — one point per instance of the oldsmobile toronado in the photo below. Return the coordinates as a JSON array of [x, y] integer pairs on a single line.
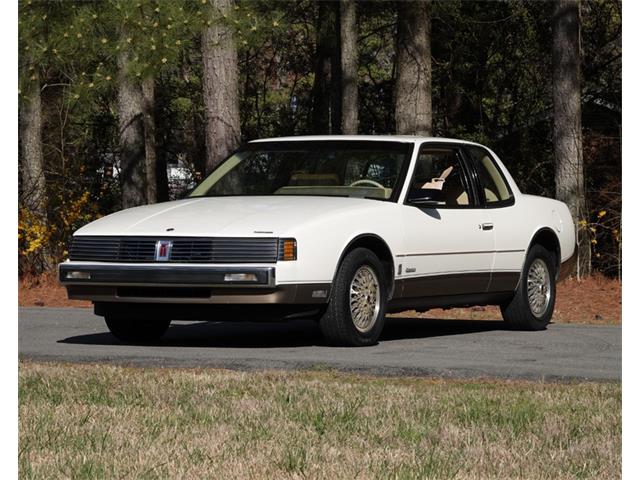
[[342, 229]]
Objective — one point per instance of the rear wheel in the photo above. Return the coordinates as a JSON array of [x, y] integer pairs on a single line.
[[135, 330], [356, 310], [532, 305]]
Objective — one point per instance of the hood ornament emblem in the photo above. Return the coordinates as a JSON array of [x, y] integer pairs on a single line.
[[163, 250]]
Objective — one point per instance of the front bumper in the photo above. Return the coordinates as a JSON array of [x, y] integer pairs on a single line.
[[184, 284], [161, 275]]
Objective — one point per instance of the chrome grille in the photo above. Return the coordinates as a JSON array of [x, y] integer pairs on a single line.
[[192, 250], [137, 250], [98, 249], [184, 250]]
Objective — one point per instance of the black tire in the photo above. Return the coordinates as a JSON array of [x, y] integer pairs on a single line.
[[128, 329], [337, 323], [519, 312]]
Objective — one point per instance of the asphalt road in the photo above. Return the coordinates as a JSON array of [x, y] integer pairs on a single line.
[[448, 348]]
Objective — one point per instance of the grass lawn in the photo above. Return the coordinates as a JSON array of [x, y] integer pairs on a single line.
[[93, 421]]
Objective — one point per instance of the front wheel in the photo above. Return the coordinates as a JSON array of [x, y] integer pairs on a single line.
[[356, 311], [532, 305], [135, 330]]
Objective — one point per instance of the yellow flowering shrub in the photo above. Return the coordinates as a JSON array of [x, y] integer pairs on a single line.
[[34, 233], [42, 242], [604, 228]]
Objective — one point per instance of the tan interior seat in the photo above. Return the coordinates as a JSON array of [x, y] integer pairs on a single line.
[[438, 182], [455, 195], [490, 196]]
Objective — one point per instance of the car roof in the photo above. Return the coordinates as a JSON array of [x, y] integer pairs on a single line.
[[375, 138]]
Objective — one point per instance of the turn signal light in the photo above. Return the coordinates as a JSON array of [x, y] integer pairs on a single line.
[[288, 249]]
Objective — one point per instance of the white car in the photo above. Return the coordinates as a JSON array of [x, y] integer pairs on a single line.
[[343, 229]]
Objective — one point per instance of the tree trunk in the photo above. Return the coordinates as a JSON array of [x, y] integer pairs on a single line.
[[220, 87], [34, 196], [336, 73], [349, 60], [151, 160], [567, 126], [132, 142], [325, 117], [413, 76]]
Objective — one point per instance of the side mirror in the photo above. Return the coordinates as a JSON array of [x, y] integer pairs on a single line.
[[426, 197], [426, 202]]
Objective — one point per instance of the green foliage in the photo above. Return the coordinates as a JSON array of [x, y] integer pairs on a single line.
[[151, 34], [276, 66], [376, 55]]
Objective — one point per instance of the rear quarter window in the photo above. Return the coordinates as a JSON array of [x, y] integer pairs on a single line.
[[494, 186]]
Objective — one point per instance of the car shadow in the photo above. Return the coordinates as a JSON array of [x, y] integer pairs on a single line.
[[400, 328], [295, 333]]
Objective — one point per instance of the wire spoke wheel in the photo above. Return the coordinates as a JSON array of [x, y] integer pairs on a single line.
[[357, 302], [364, 298], [538, 287]]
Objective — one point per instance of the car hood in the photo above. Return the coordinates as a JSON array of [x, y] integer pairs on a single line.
[[227, 216]]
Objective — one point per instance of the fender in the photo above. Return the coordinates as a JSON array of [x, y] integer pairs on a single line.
[[551, 242], [380, 248]]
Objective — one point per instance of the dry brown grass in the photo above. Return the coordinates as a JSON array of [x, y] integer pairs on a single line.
[[114, 422]]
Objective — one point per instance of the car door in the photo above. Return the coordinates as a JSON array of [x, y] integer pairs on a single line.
[[448, 239], [499, 201]]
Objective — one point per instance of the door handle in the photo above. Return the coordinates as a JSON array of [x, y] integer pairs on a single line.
[[486, 226]]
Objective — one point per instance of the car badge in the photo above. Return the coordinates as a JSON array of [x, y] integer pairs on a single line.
[[163, 250]]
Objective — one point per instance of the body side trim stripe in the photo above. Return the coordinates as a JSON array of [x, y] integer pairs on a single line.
[[456, 284], [455, 272], [458, 253]]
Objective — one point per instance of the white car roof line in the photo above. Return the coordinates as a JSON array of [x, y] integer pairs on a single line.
[[375, 138]]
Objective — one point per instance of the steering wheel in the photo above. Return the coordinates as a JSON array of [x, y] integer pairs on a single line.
[[366, 181]]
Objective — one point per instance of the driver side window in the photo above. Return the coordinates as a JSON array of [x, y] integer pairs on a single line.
[[438, 174]]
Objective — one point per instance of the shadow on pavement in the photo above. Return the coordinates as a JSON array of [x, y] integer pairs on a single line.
[[295, 333], [416, 327]]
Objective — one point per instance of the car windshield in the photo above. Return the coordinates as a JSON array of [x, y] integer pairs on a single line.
[[364, 169]]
